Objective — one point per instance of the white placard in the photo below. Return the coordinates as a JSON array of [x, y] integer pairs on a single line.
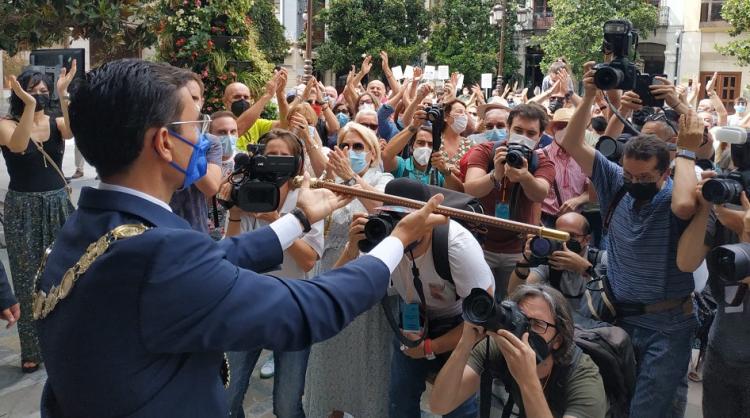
[[409, 72], [443, 72], [398, 74], [460, 82], [429, 72], [486, 81]]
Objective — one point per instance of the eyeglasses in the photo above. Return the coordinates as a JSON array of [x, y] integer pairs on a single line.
[[372, 126], [661, 117], [490, 126], [358, 146], [540, 326], [201, 125]]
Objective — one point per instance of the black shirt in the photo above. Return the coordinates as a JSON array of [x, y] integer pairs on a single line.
[[29, 171]]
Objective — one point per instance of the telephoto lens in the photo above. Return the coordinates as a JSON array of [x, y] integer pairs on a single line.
[[480, 309], [730, 263], [612, 149]]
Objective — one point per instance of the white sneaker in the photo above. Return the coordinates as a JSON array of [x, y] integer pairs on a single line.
[[267, 369]]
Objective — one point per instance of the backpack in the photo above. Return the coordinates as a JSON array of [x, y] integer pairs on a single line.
[[612, 352]]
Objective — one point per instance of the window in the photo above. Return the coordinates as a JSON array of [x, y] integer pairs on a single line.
[[711, 10], [728, 87]]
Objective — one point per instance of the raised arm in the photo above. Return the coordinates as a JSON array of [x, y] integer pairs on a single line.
[[721, 111], [392, 82], [248, 118], [689, 137], [691, 249], [66, 77], [574, 142], [16, 136], [395, 146]]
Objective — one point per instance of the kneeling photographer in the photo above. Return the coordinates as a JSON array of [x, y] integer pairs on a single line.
[[530, 348], [430, 303], [565, 266], [725, 234]]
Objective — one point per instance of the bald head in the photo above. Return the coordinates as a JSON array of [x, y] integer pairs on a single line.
[[233, 92], [661, 129], [576, 225]]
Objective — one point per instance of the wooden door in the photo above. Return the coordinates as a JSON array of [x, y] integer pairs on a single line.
[[728, 87]]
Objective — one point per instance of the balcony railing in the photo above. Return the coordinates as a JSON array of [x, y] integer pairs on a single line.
[[543, 20], [664, 15]]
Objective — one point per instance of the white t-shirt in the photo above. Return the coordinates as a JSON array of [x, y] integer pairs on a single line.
[[468, 268], [289, 268]]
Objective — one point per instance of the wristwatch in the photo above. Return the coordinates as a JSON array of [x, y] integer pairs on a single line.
[[685, 153], [351, 182], [428, 353], [302, 218]]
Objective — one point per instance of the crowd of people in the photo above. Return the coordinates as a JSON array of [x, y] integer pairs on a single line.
[[524, 157]]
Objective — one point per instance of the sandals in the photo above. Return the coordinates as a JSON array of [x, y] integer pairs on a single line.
[[25, 368]]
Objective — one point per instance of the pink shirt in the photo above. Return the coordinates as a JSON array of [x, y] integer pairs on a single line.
[[569, 178]]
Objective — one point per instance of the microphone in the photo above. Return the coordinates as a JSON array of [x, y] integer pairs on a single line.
[[241, 159]]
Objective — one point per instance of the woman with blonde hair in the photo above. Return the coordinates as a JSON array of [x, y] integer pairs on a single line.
[[359, 356], [301, 121]]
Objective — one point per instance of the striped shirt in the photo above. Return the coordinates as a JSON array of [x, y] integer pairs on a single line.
[[642, 250]]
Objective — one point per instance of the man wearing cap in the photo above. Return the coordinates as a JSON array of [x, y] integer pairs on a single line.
[[569, 191]]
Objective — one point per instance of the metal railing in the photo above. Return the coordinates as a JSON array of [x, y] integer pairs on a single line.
[[664, 15]]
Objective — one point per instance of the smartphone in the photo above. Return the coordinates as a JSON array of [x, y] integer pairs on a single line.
[[642, 84]]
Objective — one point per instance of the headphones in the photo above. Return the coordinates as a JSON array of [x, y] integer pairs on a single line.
[[299, 160]]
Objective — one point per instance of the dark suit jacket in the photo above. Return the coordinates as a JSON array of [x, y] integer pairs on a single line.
[[142, 332], [7, 299]]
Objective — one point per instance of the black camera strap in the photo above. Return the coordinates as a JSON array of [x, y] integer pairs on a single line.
[[422, 309]]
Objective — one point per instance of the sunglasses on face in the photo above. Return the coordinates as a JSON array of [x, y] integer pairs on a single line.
[[373, 127], [358, 147]]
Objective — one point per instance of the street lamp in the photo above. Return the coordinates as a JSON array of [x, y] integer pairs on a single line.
[[497, 19], [308, 17]]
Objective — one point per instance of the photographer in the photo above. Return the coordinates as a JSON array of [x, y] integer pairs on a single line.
[[567, 270], [646, 212], [566, 383], [299, 259], [423, 291], [727, 353], [510, 192]]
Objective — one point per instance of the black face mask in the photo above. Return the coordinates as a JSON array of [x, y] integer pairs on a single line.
[[42, 101], [641, 191], [554, 105], [239, 107], [574, 245]]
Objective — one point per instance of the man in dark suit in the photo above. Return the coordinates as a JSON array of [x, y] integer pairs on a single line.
[[137, 326]]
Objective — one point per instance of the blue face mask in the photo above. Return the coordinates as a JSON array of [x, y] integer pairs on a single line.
[[228, 143], [495, 135], [740, 108], [358, 161], [343, 119], [198, 165]]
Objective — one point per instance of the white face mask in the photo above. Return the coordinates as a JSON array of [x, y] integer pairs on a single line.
[[422, 155], [459, 123], [366, 106]]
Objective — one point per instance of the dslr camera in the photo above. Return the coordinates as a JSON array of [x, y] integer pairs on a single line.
[[257, 178], [621, 73], [542, 249], [380, 226], [612, 149], [730, 263], [436, 117], [726, 188], [520, 148]]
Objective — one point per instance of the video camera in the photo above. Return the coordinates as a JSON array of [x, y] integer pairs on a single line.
[[726, 188], [257, 178], [621, 73], [480, 308], [730, 263]]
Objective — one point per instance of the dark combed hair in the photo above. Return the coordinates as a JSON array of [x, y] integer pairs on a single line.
[[557, 303], [113, 107], [28, 79], [293, 141], [644, 147], [531, 111]]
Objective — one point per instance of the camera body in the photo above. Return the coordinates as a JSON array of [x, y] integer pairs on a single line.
[[730, 263], [436, 116], [257, 178], [380, 226], [726, 188], [480, 308], [619, 74], [517, 153], [542, 248]]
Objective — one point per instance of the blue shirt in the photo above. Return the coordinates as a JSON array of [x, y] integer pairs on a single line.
[[405, 168], [387, 129], [642, 250]]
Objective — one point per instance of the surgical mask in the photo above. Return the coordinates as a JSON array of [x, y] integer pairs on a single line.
[[422, 155], [495, 135], [641, 191], [198, 164], [228, 143], [740, 108], [358, 161], [366, 106], [239, 107], [459, 123], [42, 101], [343, 119]]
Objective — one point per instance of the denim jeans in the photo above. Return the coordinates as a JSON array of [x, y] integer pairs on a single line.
[[288, 385], [408, 383], [663, 359]]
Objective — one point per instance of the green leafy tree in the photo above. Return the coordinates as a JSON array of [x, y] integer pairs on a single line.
[[463, 39], [216, 40], [115, 28], [271, 38], [737, 13], [357, 27], [577, 32]]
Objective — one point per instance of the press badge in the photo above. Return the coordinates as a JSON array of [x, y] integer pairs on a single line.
[[502, 211], [410, 317]]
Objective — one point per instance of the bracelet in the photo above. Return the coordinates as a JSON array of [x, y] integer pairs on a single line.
[[234, 220], [494, 180], [520, 275], [302, 218]]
